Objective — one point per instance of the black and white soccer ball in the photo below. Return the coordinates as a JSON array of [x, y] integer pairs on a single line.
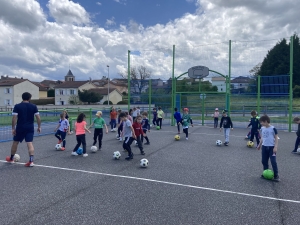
[[144, 163], [218, 142], [117, 155], [58, 147]]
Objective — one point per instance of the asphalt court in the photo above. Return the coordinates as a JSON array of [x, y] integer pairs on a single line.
[[187, 182]]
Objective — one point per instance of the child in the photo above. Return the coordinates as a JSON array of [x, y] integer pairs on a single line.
[[177, 117], [226, 123], [160, 117], [269, 143], [185, 120], [134, 113], [120, 125], [113, 119], [99, 123], [129, 135], [154, 112], [129, 117], [80, 128], [255, 127], [216, 117], [297, 121], [138, 111], [146, 127], [138, 130], [61, 130]]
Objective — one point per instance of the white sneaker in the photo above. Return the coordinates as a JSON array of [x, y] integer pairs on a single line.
[[74, 153], [85, 155], [121, 139], [187, 138], [118, 138]]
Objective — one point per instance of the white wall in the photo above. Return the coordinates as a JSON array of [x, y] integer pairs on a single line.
[[220, 84], [4, 96], [25, 86]]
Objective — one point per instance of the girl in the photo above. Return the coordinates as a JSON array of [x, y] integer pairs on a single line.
[[160, 117], [146, 127], [80, 128], [138, 131], [99, 123], [186, 119], [61, 130], [216, 117]]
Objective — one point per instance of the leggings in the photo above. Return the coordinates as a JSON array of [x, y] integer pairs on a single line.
[[159, 122], [61, 136], [98, 132], [80, 140], [186, 131]]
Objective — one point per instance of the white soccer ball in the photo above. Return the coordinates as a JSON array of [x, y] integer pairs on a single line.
[[94, 148], [58, 147], [219, 142], [16, 158], [144, 163], [117, 155]]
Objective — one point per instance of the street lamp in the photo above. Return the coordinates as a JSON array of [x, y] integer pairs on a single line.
[[108, 85]]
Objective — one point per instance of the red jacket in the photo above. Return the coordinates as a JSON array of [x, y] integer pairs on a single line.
[[138, 130]]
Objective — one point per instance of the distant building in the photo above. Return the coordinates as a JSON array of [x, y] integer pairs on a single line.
[[43, 90], [220, 82], [240, 82], [114, 95]]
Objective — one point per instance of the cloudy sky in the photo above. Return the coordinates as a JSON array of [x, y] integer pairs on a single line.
[[40, 39]]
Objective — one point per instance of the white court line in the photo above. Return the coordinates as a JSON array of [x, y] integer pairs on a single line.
[[220, 133], [166, 182]]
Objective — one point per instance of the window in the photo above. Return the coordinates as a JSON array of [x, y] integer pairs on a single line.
[[7, 90], [72, 92], [221, 89], [7, 102], [61, 92]]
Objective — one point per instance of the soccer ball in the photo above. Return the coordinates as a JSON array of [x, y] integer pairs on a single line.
[[117, 155], [177, 137], [219, 142], [157, 127], [94, 148], [250, 144], [58, 147], [16, 158], [79, 151], [268, 174], [144, 163], [298, 150]]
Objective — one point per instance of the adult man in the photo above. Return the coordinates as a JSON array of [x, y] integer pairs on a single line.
[[23, 127]]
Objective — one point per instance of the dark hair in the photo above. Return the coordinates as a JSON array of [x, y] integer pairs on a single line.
[[265, 118], [26, 96], [159, 108], [176, 109], [154, 108], [130, 111], [122, 115], [145, 114], [296, 119], [138, 117], [80, 117], [126, 113], [253, 113]]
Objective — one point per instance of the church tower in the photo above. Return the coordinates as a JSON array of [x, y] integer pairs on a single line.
[[70, 76]]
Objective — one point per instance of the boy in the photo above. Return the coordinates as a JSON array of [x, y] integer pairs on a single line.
[[185, 120], [177, 117], [113, 119], [255, 127], [146, 127], [226, 123], [61, 130], [269, 143], [128, 134], [297, 121], [99, 123], [154, 112], [134, 113], [120, 125], [138, 130]]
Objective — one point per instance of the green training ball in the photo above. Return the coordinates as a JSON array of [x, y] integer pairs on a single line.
[[268, 174], [158, 128]]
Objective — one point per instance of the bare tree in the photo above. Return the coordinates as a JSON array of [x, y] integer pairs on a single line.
[[255, 70], [138, 77]]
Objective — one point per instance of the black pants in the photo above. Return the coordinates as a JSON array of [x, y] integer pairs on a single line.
[[178, 126], [80, 140], [154, 121], [139, 142], [126, 144], [186, 131], [216, 119], [120, 128], [98, 132], [297, 144], [142, 137], [159, 122], [61, 136], [254, 133], [266, 154]]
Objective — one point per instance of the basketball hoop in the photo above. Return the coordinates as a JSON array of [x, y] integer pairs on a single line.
[[198, 72]]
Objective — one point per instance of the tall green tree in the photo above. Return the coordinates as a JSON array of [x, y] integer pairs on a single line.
[[89, 96]]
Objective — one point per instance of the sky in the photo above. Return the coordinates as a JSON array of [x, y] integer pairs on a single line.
[[43, 39]]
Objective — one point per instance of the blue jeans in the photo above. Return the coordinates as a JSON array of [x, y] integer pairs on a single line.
[[113, 123], [216, 122], [266, 153], [226, 134]]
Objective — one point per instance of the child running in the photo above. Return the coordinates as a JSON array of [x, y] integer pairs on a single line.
[[80, 128], [120, 125], [216, 117], [113, 119], [226, 123], [269, 144], [185, 121], [154, 112], [160, 117], [297, 121], [61, 130], [146, 127], [177, 117], [138, 130], [255, 127], [129, 135], [98, 123]]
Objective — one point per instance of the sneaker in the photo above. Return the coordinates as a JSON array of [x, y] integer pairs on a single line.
[[62, 148], [29, 164], [85, 155], [111, 130], [74, 153], [187, 138], [147, 143], [226, 143], [129, 157], [120, 139], [60, 141], [142, 153], [294, 152], [276, 178], [8, 159]]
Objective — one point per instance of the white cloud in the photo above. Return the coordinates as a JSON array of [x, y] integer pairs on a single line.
[[110, 22], [200, 39], [65, 11], [98, 3], [123, 2]]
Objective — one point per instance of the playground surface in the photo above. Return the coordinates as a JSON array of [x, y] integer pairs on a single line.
[[187, 182]]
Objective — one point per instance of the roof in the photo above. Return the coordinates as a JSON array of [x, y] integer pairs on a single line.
[[103, 91], [218, 78], [41, 86], [71, 84], [47, 82], [241, 79], [69, 74], [11, 82]]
